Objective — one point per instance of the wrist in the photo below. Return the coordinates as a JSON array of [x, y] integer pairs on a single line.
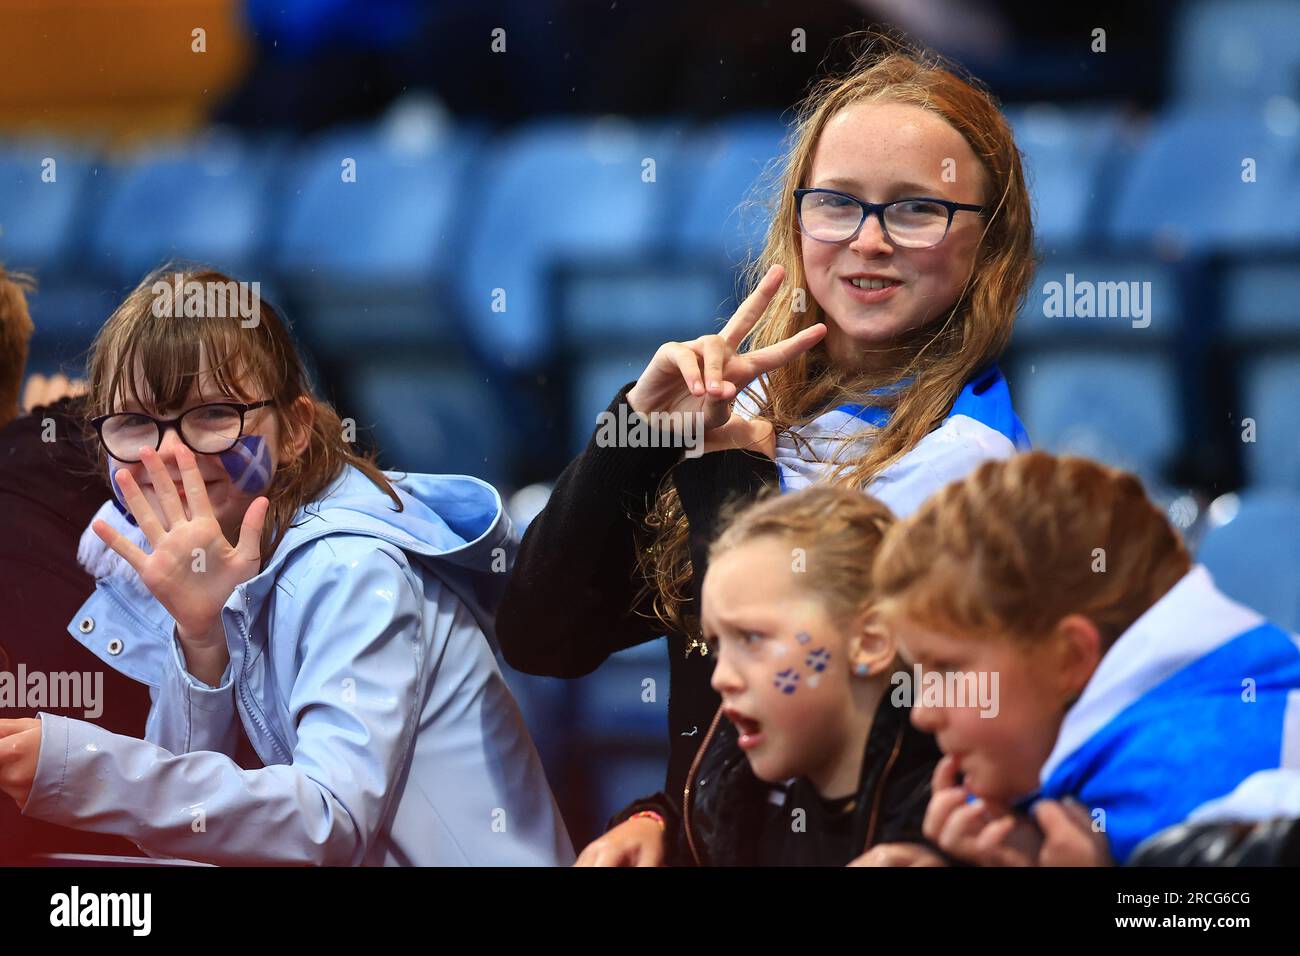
[[649, 815]]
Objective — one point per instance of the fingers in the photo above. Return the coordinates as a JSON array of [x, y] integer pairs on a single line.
[[943, 803], [250, 530], [164, 488], [140, 509], [18, 725], [689, 364], [130, 553], [196, 492], [753, 307], [786, 351], [945, 773], [715, 351], [963, 825], [899, 854], [992, 848]]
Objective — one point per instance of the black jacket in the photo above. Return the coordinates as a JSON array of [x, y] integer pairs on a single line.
[[731, 818], [49, 491], [573, 595], [1266, 843]]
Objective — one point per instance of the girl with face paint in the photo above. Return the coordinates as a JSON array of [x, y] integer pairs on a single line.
[[313, 629], [809, 761]]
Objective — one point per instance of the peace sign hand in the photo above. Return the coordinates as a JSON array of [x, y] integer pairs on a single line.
[[192, 569], [707, 373]]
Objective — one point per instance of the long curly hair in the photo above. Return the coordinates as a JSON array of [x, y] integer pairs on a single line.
[[937, 360]]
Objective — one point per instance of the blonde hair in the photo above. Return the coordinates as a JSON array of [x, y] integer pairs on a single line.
[[253, 362], [15, 337], [1017, 545], [838, 530], [940, 358]]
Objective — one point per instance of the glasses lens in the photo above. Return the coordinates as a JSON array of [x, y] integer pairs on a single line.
[[124, 435], [829, 217], [916, 223], [210, 429]]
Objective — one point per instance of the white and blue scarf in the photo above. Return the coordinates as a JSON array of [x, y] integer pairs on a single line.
[[1198, 695], [981, 420]]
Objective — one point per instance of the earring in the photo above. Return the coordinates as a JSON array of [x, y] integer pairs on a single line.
[[861, 670]]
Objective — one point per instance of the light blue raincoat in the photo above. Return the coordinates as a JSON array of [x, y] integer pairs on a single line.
[[360, 671]]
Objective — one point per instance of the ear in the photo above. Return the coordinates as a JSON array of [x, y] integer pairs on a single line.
[[1079, 650], [872, 647], [298, 420]]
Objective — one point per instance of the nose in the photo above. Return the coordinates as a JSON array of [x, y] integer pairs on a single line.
[[870, 240], [726, 679], [926, 719], [170, 439]]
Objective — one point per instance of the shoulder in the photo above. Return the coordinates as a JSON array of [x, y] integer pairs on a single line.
[[344, 562], [950, 452]]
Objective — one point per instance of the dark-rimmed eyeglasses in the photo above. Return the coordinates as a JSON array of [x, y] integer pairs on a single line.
[[205, 429], [916, 222]]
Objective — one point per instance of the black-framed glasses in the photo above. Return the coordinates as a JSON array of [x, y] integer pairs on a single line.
[[917, 222], [206, 429]]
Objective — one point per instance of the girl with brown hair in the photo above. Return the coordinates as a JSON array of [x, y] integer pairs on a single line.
[[312, 629], [897, 257]]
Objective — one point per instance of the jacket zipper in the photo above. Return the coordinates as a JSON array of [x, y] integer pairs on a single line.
[[690, 779], [880, 787]]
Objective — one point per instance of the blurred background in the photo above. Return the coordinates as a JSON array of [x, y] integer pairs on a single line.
[[483, 218]]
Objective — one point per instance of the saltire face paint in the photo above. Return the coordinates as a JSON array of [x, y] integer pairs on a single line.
[[118, 498], [248, 464]]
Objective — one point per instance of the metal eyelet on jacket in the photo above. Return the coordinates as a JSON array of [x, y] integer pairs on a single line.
[[86, 625], [115, 647]]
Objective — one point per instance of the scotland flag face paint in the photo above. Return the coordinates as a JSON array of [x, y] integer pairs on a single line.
[[118, 498], [248, 464]]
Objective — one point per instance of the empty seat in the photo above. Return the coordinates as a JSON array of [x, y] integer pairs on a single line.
[[554, 193], [429, 417], [1252, 548], [1117, 408], [1271, 399], [1184, 191], [372, 234], [206, 201]]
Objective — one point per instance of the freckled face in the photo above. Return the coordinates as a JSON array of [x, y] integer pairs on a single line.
[[879, 152], [1001, 755]]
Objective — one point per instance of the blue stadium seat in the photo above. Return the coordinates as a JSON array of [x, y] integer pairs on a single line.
[[428, 417], [597, 377], [1066, 153], [1118, 408], [369, 262], [1111, 291], [553, 193], [1262, 299], [1184, 191], [40, 220], [1253, 550], [1271, 397], [1237, 50], [206, 201], [727, 207]]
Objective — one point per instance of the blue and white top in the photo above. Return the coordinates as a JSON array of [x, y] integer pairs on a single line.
[[981, 424], [1198, 695]]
